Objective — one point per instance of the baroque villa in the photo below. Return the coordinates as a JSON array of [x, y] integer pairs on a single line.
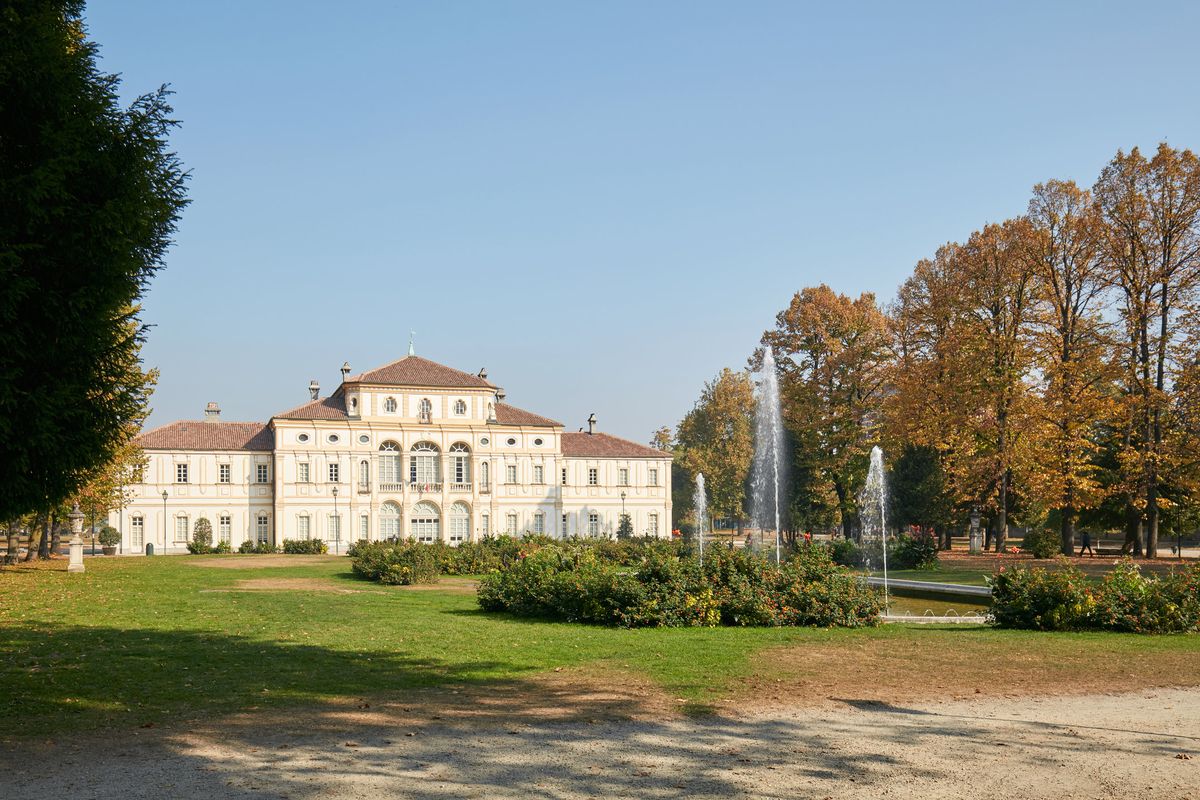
[[413, 449]]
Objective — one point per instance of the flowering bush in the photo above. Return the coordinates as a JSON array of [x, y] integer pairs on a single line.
[[665, 586], [918, 551], [1126, 600]]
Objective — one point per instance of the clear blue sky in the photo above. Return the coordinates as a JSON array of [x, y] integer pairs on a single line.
[[619, 196]]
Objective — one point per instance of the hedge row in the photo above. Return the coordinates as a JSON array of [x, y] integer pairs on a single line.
[[1125, 600], [666, 586], [904, 552]]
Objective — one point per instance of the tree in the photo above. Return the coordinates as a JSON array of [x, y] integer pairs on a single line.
[[832, 353], [89, 199], [1151, 251], [717, 438], [917, 490], [1070, 349]]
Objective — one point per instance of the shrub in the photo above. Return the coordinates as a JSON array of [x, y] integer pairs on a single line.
[[109, 536], [223, 548], [250, 546], [1126, 600], [846, 552], [305, 546], [201, 537], [396, 562], [1042, 543], [1041, 599], [661, 585], [913, 552]]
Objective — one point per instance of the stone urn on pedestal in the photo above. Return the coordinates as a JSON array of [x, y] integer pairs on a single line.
[[76, 518]]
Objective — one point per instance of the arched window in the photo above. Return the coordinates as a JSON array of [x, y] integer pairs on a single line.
[[460, 523], [425, 410], [460, 463], [389, 463], [460, 408], [389, 521], [389, 405], [424, 464], [425, 522], [364, 475]]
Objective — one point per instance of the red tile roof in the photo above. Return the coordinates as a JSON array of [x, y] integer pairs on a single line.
[[602, 445], [199, 435], [332, 407], [511, 415], [417, 371]]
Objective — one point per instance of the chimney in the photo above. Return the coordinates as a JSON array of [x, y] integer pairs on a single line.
[[314, 389], [591, 423], [212, 412], [500, 395], [345, 370], [483, 373]]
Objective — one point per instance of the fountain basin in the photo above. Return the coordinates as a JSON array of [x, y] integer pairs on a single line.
[[933, 588]]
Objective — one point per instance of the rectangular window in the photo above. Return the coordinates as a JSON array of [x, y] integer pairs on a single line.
[[653, 479], [226, 473], [539, 474], [333, 473], [564, 476], [181, 473], [303, 527], [511, 473], [261, 473], [593, 524], [181, 529], [263, 528], [364, 528], [302, 472], [137, 533], [224, 527], [593, 476], [512, 525], [566, 527], [623, 476], [485, 523], [335, 528], [652, 525], [539, 522]]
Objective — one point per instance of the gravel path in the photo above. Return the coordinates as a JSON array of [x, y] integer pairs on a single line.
[[1144, 745]]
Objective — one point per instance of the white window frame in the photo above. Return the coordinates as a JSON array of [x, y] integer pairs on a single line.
[[566, 525], [303, 472], [593, 524], [652, 525], [539, 474], [389, 405], [539, 522], [262, 527], [224, 527], [304, 527], [512, 523], [137, 533], [564, 476], [510, 473], [459, 529], [485, 523], [427, 526], [593, 476], [460, 408], [622, 476], [424, 463], [334, 472], [334, 526], [262, 473], [181, 528], [389, 522], [224, 473], [181, 473]]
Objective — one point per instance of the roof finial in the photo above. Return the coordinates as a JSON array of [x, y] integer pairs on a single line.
[[411, 350]]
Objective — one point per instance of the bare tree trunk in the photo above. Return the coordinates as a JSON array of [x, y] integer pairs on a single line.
[[44, 543], [1068, 531], [14, 541], [57, 531], [988, 534], [1002, 515], [1133, 532]]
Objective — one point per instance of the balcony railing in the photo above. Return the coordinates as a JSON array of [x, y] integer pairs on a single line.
[[425, 488], [391, 487], [460, 487]]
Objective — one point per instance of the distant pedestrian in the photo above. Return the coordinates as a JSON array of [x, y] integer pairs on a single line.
[[1086, 544]]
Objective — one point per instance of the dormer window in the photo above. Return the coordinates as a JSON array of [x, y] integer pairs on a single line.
[[425, 410], [389, 405], [460, 408]]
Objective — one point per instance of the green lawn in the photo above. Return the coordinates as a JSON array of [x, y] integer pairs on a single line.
[[138, 641]]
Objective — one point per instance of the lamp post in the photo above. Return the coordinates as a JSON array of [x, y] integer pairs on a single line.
[[337, 526], [164, 497], [622, 520], [76, 562]]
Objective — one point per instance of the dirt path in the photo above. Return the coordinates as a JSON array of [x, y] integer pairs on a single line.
[[1073, 747]]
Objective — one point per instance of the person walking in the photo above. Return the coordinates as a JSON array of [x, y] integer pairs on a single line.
[[1085, 543]]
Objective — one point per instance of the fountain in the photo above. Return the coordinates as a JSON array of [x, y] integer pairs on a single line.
[[700, 501], [767, 472], [872, 503]]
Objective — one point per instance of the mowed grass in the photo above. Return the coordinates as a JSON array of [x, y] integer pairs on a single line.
[[138, 642]]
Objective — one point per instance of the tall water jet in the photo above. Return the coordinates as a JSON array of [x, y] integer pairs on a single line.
[[700, 502], [767, 473], [872, 504]]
